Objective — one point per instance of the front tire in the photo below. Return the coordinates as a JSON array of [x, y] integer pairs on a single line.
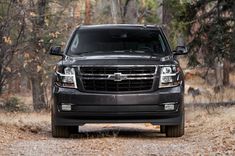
[[162, 129], [58, 131], [176, 130]]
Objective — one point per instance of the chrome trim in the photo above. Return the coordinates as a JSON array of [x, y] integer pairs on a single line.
[[115, 73], [104, 78], [118, 76], [167, 75], [117, 65], [167, 86], [170, 74], [156, 69], [144, 76], [120, 25], [74, 78], [167, 65]]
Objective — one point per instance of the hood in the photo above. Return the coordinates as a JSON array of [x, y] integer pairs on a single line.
[[118, 60]]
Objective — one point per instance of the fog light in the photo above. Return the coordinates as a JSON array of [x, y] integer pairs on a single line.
[[169, 106], [66, 107]]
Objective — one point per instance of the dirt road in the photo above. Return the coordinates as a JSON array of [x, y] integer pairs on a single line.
[[207, 133]]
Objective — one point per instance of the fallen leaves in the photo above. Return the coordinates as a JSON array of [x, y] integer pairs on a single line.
[[30, 128], [39, 68], [232, 130], [205, 135], [8, 69], [7, 40]]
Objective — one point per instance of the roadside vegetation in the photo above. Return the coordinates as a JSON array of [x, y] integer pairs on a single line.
[[28, 28]]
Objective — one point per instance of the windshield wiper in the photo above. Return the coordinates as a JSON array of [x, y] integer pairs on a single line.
[[122, 51], [130, 51], [86, 52], [138, 51]]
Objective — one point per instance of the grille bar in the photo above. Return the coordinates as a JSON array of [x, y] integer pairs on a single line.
[[128, 78], [124, 69], [117, 78], [109, 85], [112, 73]]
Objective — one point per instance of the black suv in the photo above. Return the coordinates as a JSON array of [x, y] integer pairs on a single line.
[[118, 74]]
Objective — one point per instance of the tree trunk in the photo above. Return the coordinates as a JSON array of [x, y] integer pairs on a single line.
[[166, 16], [29, 87], [14, 86], [38, 92], [37, 77], [131, 12], [88, 12], [233, 31], [41, 12], [114, 11], [218, 74], [160, 10], [226, 71]]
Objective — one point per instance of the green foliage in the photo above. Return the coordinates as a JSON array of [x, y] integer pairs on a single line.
[[210, 25], [4, 8], [150, 8], [11, 31], [13, 104], [176, 26]]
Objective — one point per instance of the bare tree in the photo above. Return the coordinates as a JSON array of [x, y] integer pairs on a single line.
[[88, 12], [130, 13], [11, 29], [43, 29], [36, 76], [114, 11]]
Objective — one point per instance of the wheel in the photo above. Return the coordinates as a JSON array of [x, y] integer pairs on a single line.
[[176, 130], [58, 131], [162, 129], [63, 131], [73, 129]]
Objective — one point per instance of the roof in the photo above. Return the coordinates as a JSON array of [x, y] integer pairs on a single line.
[[101, 26]]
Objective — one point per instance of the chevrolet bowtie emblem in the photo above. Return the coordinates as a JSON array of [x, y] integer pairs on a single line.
[[117, 77]]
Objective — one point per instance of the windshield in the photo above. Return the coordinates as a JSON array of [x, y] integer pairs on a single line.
[[117, 40]]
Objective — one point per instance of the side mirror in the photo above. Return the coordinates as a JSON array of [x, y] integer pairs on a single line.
[[180, 50], [56, 51]]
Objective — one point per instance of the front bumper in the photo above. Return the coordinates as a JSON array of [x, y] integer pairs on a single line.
[[117, 108]]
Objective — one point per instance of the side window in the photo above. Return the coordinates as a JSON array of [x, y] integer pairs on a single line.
[[74, 44], [162, 43]]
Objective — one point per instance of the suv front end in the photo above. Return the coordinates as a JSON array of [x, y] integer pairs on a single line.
[[118, 88]]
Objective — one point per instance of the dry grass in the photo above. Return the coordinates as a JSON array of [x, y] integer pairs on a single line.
[[33, 122], [207, 92], [206, 134], [215, 117]]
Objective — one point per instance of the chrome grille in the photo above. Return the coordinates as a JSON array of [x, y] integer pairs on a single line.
[[112, 70], [117, 78]]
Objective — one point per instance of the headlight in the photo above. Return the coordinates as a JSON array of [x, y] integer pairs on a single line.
[[68, 78], [169, 76]]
